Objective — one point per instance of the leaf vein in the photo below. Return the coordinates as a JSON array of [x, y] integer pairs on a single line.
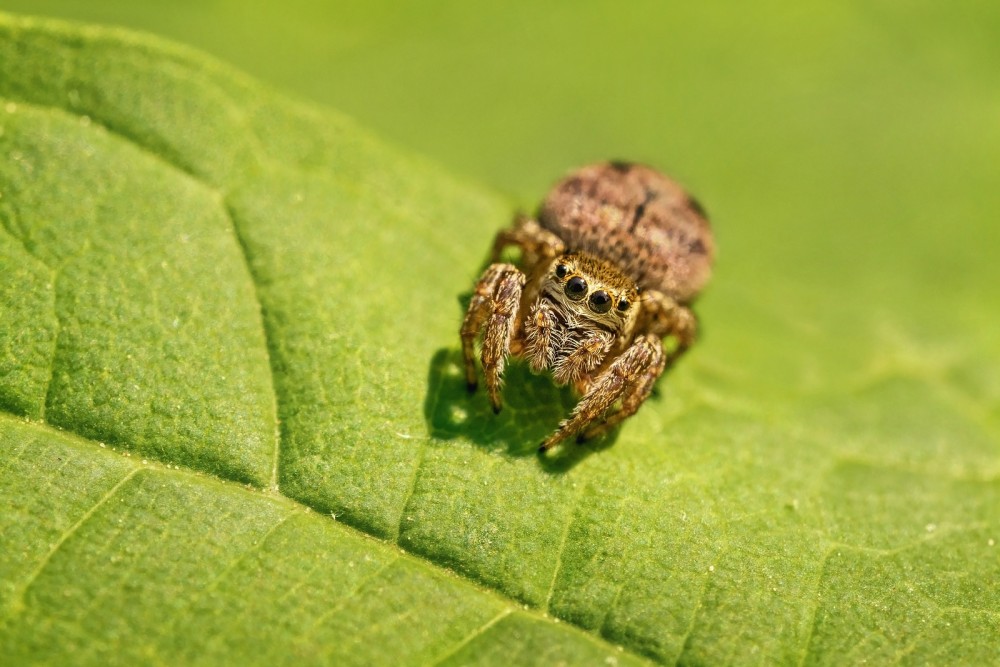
[[689, 632], [72, 530], [412, 490], [269, 344], [342, 602], [568, 523], [820, 571], [478, 632], [235, 563], [6, 225]]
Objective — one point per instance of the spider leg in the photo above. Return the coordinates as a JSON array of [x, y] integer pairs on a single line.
[[623, 378], [492, 311], [538, 335], [588, 354], [635, 395], [534, 241], [666, 317]]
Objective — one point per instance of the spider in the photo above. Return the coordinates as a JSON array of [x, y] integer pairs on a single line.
[[607, 270]]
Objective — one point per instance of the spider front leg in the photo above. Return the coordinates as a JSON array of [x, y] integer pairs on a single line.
[[635, 397], [663, 316], [629, 378], [493, 311]]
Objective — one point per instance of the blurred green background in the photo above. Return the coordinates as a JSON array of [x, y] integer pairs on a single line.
[[834, 143]]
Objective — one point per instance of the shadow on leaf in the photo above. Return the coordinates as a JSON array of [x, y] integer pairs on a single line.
[[533, 407]]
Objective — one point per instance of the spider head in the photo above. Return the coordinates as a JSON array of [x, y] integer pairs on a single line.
[[592, 289]]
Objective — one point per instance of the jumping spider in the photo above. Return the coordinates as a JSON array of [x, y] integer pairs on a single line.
[[608, 269]]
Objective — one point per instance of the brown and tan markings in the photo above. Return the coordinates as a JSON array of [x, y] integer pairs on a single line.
[[608, 269]]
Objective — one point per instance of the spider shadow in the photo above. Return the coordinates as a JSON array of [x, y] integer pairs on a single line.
[[533, 406]]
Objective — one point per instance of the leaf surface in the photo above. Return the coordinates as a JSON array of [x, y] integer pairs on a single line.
[[235, 427]]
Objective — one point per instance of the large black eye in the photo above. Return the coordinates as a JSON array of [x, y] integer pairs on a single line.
[[623, 305], [576, 288], [561, 270], [600, 302]]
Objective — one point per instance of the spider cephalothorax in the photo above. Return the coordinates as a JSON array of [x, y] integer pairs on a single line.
[[585, 309], [617, 252]]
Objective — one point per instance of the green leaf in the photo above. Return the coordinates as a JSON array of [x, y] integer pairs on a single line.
[[235, 429]]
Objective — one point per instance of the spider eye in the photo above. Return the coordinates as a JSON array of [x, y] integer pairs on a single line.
[[600, 302], [561, 270], [623, 305], [576, 288]]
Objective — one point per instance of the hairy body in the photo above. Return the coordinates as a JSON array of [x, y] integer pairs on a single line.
[[594, 313]]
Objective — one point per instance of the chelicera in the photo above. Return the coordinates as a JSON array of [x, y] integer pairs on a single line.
[[608, 269]]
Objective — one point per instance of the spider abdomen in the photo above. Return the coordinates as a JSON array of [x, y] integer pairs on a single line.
[[638, 219]]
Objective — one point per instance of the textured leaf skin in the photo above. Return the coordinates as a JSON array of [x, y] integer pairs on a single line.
[[229, 316]]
